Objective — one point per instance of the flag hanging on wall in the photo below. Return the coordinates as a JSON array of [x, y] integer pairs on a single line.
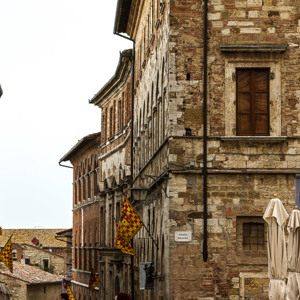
[[123, 245], [94, 280], [70, 294], [6, 255], [130, 223]]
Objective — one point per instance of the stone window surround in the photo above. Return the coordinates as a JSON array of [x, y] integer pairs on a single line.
[[246, 275], [230, 92]]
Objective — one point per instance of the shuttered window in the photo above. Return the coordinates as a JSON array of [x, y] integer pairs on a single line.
[[252, 101]]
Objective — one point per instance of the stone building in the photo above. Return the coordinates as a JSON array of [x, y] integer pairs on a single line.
[[114, 100], [36, 256], [4, 292], [66, 235], [37, 247], [86, 213], [30, 283], [43, 237], [215, 135], [101, 175]]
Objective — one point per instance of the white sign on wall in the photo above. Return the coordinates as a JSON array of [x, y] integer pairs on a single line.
[[183, 236]]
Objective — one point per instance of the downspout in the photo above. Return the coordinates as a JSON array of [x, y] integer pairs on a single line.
[[205, 254], [131, 154]]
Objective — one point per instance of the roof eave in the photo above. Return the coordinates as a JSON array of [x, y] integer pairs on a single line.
[[122, 16], [78, 145], [113, 79]]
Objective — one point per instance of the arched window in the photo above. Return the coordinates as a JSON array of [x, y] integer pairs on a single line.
[[163, 101], [158, 105]]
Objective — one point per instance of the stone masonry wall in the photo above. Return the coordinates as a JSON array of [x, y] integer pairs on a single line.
[[37, 255], [17, 288], [231, 198]]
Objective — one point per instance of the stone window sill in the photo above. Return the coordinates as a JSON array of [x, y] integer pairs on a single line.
[[263, 139]]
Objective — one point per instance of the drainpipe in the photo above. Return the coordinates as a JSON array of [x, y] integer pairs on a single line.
[[205, 254], [131, 154]]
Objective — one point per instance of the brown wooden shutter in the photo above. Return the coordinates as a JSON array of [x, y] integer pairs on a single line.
[[252, 101]]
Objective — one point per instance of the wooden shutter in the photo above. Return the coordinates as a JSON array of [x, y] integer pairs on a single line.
[[252, 101]]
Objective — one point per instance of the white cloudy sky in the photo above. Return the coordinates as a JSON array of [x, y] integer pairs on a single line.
[[54, 56]]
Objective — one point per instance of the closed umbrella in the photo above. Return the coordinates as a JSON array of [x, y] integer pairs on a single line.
[[293, 254], [276, 215]]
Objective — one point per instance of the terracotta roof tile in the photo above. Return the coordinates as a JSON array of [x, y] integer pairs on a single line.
[[29, 274], [46, 237]]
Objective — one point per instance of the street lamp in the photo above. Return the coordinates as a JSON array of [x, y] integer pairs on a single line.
[[139, 193]]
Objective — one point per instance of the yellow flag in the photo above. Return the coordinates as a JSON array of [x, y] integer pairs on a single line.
[[94, 280], [6, 255], [130, 223], [123, 245], [70, 294]]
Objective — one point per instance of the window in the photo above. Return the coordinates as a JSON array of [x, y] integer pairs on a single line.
[[102, 227], [253, 236], [45, 264], [118, 211], [119, 115], [252, 88], [14, 255], [111, 122], [275, 97], [27, 261]]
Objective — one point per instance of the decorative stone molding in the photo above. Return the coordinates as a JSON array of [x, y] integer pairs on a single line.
[[253, 48]]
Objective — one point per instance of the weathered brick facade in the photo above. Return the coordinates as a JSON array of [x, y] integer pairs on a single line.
[[101, 168], [114, 99], [86, 212], [243, 171]]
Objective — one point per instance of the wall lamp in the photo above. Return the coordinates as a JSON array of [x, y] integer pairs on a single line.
[[139, 193]]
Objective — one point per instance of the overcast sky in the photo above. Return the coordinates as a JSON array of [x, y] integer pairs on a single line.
[[54, 56]]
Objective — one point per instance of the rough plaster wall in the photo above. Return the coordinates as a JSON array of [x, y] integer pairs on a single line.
[[17, 288], [46, 292], [36, 258]]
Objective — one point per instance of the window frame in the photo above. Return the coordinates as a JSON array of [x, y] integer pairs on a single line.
[[275, 93]]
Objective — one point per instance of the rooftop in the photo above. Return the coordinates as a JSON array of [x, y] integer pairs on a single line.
[[46, 237], [29, 274]]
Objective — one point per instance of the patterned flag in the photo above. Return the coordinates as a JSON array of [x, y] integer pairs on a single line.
[[130, 223], [123, 245], [6, 255], [70, 294], [94, 280]]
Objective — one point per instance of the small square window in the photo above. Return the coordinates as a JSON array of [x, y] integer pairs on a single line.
[[253, 236]]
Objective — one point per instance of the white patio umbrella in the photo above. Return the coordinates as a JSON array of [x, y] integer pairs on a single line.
[[276, 215], [293, 254]]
